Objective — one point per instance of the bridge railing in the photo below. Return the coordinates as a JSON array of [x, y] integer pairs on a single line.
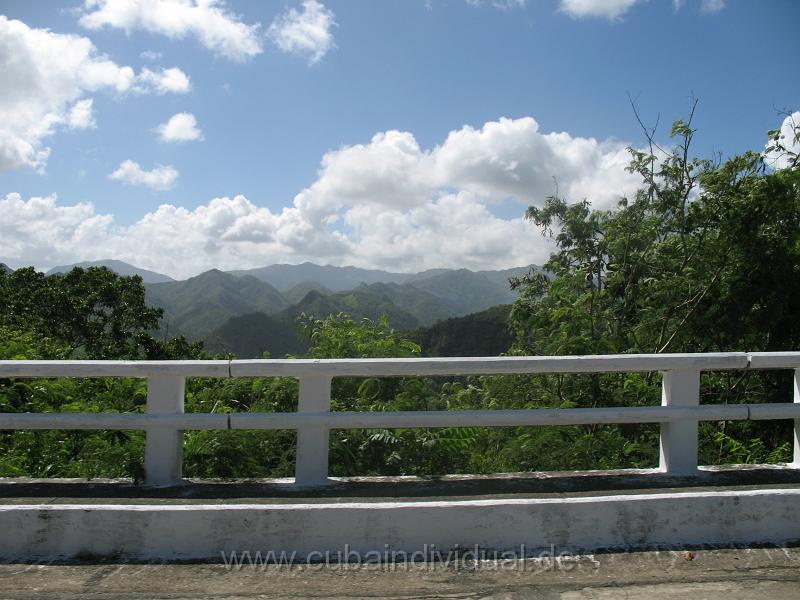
[[165, 421]]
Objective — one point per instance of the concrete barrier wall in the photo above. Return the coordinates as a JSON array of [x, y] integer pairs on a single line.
[[195, 531]]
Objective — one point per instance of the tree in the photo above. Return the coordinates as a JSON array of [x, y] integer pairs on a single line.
[[703, 258], [98, 313]]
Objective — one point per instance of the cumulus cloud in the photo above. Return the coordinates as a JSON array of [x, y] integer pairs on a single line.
[[305, 32], [387, 203], [181, 127], [606, 9], [232, 232], [164, 81], [39, 232], [150, 55], [159, 178], [614, 10], [507, 158], [46, 77], [80, 115], [712, 6], [501, 4], [209, 21], [780, 159]]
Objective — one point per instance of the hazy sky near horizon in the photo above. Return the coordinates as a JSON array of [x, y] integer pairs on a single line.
[[180, 135]]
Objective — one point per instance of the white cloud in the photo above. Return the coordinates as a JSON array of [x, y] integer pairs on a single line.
[[209, 21], [614, 10], [712, 6], [501, 4], [388, 203], [159, 178], [306, 33], [606, 9], [181, 127], [780, 159], [165, 81], [505, 158], [151, 55], [42, 233], [80, 115], [46, 77]]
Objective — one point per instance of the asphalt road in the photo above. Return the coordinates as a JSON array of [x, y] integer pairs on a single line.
[[768, 572]]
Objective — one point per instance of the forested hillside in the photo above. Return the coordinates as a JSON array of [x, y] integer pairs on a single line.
[[705, 257], [199, 305], [480, 334]]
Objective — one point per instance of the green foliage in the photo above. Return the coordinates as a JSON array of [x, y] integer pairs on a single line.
[[54, 453], [94, 311], [249, 336], [26, 345], [339, 337], [481, 334], [198, 305], [750, 451], [704, 258]]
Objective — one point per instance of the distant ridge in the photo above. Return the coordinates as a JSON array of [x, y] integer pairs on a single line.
[[336, 279], [340, 279], [297, 293], [229, 308], [249, 311], [119, 267]]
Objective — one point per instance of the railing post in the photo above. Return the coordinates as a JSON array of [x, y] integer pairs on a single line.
[[311, 466], [797, 421], [163, 453], [679, 439]]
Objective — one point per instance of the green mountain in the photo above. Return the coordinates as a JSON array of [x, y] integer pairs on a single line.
[[202, 305], [4, 268], [480, 334], [199, 305], [462, 290], [249, 336], [502, 276], [466, 292], [406, 306], [119, 267], [296, 293], [337, 279], [358, 304]]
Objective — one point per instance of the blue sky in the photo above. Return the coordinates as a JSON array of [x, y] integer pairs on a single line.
[[284, 100]]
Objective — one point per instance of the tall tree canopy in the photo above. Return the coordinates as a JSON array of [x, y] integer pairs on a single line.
[[95, 312], [704, 258]]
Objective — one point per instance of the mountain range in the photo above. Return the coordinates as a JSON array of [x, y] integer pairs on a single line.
[[251, 311], [119, 267]]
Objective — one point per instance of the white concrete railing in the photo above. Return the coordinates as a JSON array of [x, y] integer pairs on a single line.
[[164, 420]]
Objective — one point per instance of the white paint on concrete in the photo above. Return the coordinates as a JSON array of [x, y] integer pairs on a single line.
[[313, 440], [387, 367], [353, 420], [678, 447], [186, 531], [796, 403], [163, 452]]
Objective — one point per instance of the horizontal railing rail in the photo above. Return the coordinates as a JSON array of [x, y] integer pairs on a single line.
[[165, 421]]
